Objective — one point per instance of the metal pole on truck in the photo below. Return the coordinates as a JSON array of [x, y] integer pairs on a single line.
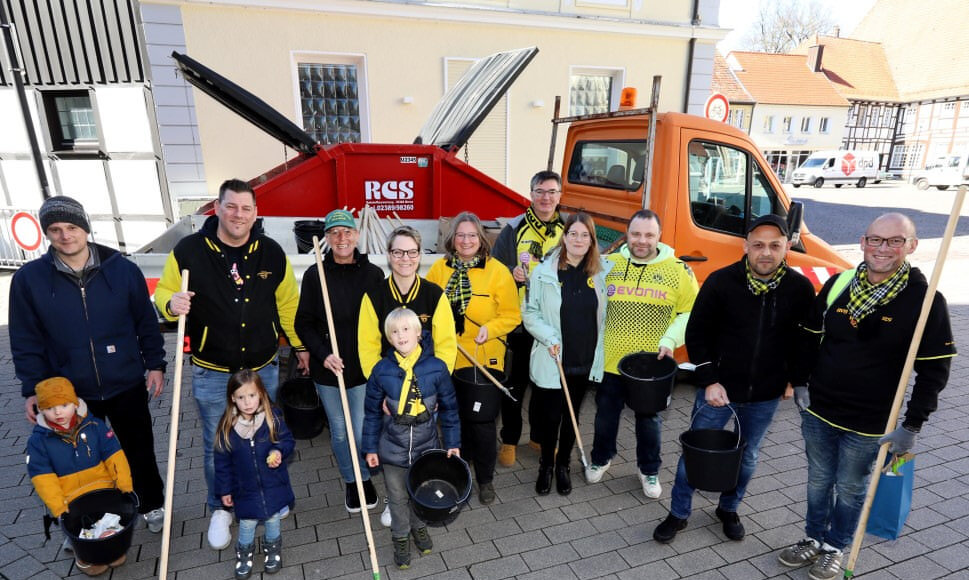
[[903, 380]]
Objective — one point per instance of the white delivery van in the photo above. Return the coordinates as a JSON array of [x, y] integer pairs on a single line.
[[943, 173], [838, 168]]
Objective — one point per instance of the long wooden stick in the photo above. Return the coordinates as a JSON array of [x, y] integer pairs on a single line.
[[485, 372], [903, 380], [351, 439], [575, 423], [173, 438]]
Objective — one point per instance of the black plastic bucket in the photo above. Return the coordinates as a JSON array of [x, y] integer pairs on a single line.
[[438, 486], [86, 510], [648, 381], [712, 457], [479, 400], [304, 230], [301, 407]]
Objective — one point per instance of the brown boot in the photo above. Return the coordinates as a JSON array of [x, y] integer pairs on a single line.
[[506, 456], [91, 569]]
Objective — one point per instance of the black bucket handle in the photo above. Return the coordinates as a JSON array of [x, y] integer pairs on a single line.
[[467, 500], [736, 420]]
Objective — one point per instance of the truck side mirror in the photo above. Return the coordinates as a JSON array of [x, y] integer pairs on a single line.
[[795, 215]]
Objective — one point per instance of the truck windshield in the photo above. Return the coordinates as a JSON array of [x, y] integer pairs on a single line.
[[813, 162], [611, 164]]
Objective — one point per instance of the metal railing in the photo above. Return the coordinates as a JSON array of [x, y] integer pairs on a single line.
[[12, 256]]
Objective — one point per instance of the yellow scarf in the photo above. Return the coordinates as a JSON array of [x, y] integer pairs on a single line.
[[411, 401]]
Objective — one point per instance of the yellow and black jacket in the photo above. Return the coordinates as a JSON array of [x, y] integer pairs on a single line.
[[65, 465], [233, 324]]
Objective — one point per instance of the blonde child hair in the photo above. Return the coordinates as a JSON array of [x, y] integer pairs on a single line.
[[400, 316], [231, 415]]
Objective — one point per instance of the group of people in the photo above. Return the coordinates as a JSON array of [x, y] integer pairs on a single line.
[[541, 306]]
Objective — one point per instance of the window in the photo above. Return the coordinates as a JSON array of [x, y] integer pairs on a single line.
[[613, 164], [824, 124], [594, 91], [330, 102], [948, 111], [71, 120], [907, 156], [736, 118], [787, 124], [806, 125], [769, 124]]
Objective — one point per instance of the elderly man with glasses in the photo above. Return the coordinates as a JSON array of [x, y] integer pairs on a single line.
[[866, 318]]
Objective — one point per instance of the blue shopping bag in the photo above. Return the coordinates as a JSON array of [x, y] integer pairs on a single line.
[[893, 498]]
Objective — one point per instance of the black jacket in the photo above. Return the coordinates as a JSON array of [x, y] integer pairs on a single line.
[[346, 284], [749, 344]]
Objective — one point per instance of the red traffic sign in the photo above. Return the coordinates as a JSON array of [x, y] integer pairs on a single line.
[[26, 231], [717, 108]]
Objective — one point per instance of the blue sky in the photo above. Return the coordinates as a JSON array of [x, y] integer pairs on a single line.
[[739, 14]]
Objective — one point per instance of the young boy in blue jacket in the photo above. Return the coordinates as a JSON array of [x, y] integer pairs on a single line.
[[407, 389]]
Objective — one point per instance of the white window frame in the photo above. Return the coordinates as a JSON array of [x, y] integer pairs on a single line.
[[323, 57], [787, 124], [618, 75], [768, 123], [824, 125], [806, 124]]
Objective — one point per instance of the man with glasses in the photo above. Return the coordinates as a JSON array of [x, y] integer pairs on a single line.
[[520, 246], [864, 320], [241, 296]]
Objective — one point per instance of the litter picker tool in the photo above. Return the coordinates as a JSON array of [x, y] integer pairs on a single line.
[[485, 372], [354, 456], [173, 438], [903, 380], [575, 423]]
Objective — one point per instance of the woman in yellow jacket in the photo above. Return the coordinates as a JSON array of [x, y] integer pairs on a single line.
[[484, 300]]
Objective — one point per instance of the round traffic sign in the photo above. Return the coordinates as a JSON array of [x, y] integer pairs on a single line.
[[717, 108], [26, 231]]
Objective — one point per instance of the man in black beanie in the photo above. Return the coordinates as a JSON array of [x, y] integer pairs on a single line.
[[82, 311]]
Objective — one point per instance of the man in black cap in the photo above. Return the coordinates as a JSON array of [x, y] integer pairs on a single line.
[[743, 335], [82, 311]]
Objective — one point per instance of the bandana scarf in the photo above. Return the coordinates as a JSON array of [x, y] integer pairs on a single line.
[[411, 401], [458, 287], [545, 230], [758, 286], [864, 296]]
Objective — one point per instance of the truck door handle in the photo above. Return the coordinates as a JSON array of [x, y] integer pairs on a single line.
[[693, 258]]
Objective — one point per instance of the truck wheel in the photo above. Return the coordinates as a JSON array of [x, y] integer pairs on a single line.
[[796, 185], [922, 184], [838, 185], [819, 182], [942, 187], [861, 183]]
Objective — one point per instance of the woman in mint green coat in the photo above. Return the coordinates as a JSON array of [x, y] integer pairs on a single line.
[[565, 311]]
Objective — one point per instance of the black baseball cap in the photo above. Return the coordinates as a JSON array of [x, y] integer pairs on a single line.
[[769, 220]]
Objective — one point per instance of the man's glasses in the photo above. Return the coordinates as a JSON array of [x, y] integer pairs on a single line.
[[398, 254], [877, 241], [546, 192]]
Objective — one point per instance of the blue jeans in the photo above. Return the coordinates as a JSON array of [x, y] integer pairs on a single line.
[[209, 390], [610, 400], [338, 427], [247, 530], [839, 465], [754, 419]]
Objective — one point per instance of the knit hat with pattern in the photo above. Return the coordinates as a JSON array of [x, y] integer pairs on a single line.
[[61, 208]]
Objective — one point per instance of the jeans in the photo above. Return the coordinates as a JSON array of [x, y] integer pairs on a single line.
[[839, 465], [553, 426], [338, 427], [754, 418], [131, 420], [520, 344], [247, 530], [402, 517], [610, 400], [209, 390]]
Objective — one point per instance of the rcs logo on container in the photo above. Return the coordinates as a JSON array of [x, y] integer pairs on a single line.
[[391, 190]]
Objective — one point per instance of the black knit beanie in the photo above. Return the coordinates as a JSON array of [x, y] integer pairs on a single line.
[[61, 208]]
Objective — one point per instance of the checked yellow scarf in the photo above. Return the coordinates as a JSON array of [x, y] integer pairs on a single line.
[[758, 286], [458, 288], [411, 401], [864, 296]]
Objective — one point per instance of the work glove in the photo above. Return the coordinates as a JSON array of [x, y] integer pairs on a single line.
[[902, 440], [802, 398]]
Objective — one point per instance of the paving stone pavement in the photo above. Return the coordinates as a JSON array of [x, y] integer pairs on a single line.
[[599, 531]]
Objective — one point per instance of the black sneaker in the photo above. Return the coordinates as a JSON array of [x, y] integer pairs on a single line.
[[732, 528], [422, 540], [402, 552], [353, 500], [371, 494], [667, 530]]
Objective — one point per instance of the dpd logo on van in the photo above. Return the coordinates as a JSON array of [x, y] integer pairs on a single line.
[[848, 164]]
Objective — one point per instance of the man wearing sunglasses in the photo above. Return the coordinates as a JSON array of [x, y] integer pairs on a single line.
[[864, 320]]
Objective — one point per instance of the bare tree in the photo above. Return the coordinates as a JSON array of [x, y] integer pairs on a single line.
[[782, 25]]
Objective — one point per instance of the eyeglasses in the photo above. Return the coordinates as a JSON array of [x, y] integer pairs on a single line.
[[546, 192], [398, 254], [472, 236], [877, 241], [578, 235]]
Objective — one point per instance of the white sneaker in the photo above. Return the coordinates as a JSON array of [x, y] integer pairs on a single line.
[[651, 486], [67, 547], [155, 519], [284, 513], [594, 473], [385, 517], [219, 535]]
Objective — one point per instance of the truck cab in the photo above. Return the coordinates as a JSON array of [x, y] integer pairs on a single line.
[[945, 172]]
